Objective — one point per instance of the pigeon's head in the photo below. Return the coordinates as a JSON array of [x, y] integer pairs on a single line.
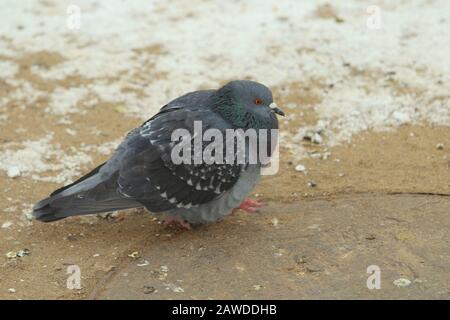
[[248, 104]]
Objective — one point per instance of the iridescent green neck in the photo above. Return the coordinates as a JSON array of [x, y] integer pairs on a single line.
[[234, 111]]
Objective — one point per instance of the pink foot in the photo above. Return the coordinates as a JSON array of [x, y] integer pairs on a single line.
[[251, 206], [176, 220]]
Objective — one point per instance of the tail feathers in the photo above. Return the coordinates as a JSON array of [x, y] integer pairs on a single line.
[[49, 209], [78, 182], [93, 193]]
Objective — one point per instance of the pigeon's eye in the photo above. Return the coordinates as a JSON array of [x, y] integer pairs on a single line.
[[258, 101]]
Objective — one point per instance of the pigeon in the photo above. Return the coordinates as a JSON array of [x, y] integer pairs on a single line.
[[142, 174]]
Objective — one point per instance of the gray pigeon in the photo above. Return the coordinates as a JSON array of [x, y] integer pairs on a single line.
[[141, 172]]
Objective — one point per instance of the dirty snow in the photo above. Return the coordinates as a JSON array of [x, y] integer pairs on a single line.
[[161, 50], [41, 156], [7, 69], [64, 101]]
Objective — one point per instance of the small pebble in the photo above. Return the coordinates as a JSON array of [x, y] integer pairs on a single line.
[[277, 254], [315, 155], [313, 268], [164, 269], [144, 264], [134, 255], [326, 155], [402, 282], [316, 138], [12, 290], [24, 252], [274, 222], [108, 215], [6, 225], [13, 172], [149, 289], [178, 289], [312, 184], [11, 254], [300, 168], [440, 146], [258, 287], [71, 131]]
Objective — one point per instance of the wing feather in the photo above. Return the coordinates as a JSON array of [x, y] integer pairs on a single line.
[[148, 174]]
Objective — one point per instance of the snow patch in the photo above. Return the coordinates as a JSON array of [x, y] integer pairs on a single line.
[[36, 157], [161, 50]]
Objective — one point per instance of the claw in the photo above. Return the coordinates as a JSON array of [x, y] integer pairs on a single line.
[[251, 206], [176, 220]]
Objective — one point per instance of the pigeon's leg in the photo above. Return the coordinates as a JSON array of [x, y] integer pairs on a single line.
[[250, 205], [176, 220]]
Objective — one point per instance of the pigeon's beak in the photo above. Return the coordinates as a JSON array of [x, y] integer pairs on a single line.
[[274, 108]]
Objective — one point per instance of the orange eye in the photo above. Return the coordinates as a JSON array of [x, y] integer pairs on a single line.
[[258, 101]]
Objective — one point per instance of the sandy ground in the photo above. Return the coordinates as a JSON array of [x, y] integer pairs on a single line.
[[318, 249], [343, 225], [381, 194]]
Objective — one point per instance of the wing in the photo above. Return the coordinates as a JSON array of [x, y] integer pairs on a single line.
[[148, 174]]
